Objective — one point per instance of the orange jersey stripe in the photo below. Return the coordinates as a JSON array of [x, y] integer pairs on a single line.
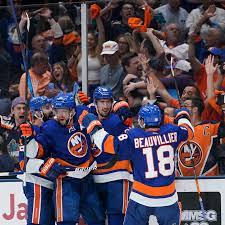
[[154, 191], [92, 125], [108, 145], [59, 205], [40, 151], [120, 165], [36, 204], [125, 195], [118, 105]]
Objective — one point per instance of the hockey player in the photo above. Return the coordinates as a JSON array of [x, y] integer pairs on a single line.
[[113, 184], [41, 110], [121, 108], [69, 147], [151, 151], [202, 146], [38, 189]]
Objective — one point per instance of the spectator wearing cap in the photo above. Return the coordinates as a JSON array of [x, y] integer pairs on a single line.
[[218, 53], [39, 76], [182, 75], [8, 126], [5, 68], [173, 13], [18, 110], [199, 71], [112, 73]]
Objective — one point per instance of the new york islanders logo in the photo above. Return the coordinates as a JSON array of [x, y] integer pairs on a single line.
[[77, 145], [188, 149]]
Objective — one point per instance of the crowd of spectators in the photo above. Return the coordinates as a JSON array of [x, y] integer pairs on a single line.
[[178, 45]]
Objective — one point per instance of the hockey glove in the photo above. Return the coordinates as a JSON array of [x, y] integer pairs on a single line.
[[6, 123], [51, 169], [82, 98], [122, 109], [27, 132], [90, 122], [181, 113]]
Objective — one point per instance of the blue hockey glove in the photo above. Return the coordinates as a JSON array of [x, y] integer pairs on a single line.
[[181, 113], [90, 122], [51, 169]]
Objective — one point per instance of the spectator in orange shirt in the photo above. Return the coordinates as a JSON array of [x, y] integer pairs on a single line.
[[39, 76]]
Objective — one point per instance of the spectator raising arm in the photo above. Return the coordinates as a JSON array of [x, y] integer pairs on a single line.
[[195, 64], [155, 42]]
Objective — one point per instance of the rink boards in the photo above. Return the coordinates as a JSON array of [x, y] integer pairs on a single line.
[[13, 202]]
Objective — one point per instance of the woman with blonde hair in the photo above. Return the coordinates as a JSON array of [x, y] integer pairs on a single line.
[[95, 41], [126, 44]]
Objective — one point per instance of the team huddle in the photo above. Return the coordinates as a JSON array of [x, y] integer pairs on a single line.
[[87, 161]]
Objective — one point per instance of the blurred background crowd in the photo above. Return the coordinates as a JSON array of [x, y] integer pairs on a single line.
[[167, 52]]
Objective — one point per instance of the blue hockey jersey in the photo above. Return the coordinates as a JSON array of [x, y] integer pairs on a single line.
[[122, 168], [32, 176], [153, 158], [70, 146]]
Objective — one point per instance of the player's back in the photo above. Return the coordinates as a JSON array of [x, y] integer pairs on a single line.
[[154, 166]]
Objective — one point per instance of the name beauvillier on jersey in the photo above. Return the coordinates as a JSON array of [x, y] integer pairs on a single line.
[[155, 140]]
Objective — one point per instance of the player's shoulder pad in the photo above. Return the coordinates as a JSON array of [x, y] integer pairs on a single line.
[[80, 109], [113, 122], [92, 108]]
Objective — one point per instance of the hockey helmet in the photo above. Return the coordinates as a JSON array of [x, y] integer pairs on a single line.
[[37, 102], [62, 101], [151, 115], [102, 93]]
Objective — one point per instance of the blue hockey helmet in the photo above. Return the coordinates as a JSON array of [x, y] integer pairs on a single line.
[[102, 93], [151, 115], [37, 102], [62, 101]]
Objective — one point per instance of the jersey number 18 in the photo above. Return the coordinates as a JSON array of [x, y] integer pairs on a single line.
[[165, 163]]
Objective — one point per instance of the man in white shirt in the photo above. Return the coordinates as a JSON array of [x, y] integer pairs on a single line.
[[173, 13]]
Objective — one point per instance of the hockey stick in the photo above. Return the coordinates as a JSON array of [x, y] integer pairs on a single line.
[[192, 160], [198, 187], [25, 58]]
